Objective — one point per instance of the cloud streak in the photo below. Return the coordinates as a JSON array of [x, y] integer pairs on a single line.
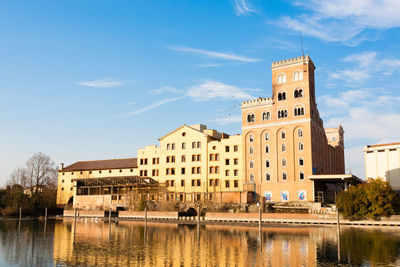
[[102, 83], [243, 7], [214, 54], [153, 106]]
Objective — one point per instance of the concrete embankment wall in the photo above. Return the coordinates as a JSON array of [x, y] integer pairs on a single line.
[[84, 213]]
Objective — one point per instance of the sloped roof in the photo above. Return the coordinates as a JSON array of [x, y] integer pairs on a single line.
[[102, 165], [389, 144]]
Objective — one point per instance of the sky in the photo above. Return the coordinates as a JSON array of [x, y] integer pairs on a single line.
[[87, 80]]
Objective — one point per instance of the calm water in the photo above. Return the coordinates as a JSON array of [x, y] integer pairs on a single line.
[[133, 244]]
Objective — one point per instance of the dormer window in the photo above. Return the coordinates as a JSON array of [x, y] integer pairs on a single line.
[[298, 76], [282, 96], [298, 93], [266, 116], [251, 117], [281, 78]]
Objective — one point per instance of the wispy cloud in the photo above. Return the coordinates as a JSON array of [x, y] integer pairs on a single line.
[[227, 120], [347, 21], [243, 7], [210, 65], [209, 90], [165, 89], [214, 54], [153, 106], [102, 83]]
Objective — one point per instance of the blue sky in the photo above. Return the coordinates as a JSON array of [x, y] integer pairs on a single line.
[[85, 80]]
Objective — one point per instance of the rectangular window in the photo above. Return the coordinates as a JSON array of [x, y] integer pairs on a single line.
[[236, 183], [172, 171], [211, 182], [198, 157], [141, 161], [172, 183], [226, 148], [153, 172], [211, 157], [193, 182], [216, 182], [235, 161], [183, 145], [236, 148], [193, 157], [193, 144], [198, 182], [217, 157], [167, 160], [211, 169], [141, 173], [198, 170], [193, 170], [183, 158], [173, 159], [226, 161], [167, 183], [227, 173], [158, 160], [182, 170], [145, 173], [236, 172], [182, 183], [167, 171], [154, 161], [217, 169], [145, 161], [227, 184]]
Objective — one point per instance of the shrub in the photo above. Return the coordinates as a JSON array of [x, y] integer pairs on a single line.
[[373, 199]]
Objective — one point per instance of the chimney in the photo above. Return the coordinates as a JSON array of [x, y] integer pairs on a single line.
[[61, 166]]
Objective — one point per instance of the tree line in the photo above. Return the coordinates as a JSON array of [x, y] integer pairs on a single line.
[[32, 187]]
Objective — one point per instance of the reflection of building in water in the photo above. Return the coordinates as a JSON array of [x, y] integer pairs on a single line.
[[173, 245]]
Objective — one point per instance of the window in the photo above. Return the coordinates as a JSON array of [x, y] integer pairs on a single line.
[[168, 159], [267, 149], [211, 169], [283, 148], [173, 159], [227, 173], [299, 111], [172, 183], [72, 173], [251, 177], [235, 161], [227, 184], [217, 156], [211, 157], [167, 171], [183, 158], [236, 183], [198, 157], [251, 138], [198, 182], [226, 148], [182, 183], [193, 144], [301, 161], [198, 170], [109, 171], [193, 182], [81, 173], [193, 170], [282, 96], [282, 113], [284, 176], [183, 134], [226, 161], [216, 182], [251, 117], [183, 170], [267, 163], [298, 93], [267, 177], [301, 175], [145, 172], [173, 146], [199, 144], [90, 172], [283, 162], [298, 75], [217, 169], [266, 136], [183, 145], [301, 146], [300, 133], [62, 188], [168, 146], [193, 157], [211, 182], [251, 150], [251, 164], [62, 181], [145, 161], [167, 183], [283, 135], [235, 148], [99, 172], [281, 78], [236, 172], [266, 116]]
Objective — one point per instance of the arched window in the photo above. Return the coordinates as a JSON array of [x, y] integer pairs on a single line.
[[267, 149], [282, 96], [300, 133], [301, 175], [301, 146], [266, 136], [281, 78], [199, 144], [251, 117], [283, 148], [301, 162], [251, 177], [284, 176], [298, 75], [283, 162], [251, 150], [267, 177], [298, 93], [282, 113], [251, 138], [299, 111], [283, 135], [193, 144], [168, 146], [267, 163], [266, 116], [173, 146], [251, 164]]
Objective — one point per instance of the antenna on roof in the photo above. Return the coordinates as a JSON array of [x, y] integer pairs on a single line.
[[302, 52]]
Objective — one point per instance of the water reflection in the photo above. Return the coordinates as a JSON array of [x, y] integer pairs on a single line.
[[134, 244]]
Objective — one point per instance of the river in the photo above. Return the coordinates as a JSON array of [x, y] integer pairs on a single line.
[[34, 243]]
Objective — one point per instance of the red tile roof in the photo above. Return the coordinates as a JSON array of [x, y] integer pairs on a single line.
[[102, 165]]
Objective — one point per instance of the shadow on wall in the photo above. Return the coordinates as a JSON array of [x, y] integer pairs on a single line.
[[393, 177]]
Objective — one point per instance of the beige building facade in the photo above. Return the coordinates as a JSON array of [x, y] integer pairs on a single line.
[[284, 140], [383, 161]]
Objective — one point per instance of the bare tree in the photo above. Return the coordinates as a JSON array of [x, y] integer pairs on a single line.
[[18, 177], [40, 172]]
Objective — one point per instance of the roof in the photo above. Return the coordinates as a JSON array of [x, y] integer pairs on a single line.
[[185, 126], [102, 165], [379, 145], [336, 177]]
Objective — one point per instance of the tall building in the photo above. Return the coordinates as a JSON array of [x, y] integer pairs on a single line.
[[383, 161], [196, 164], [284, 140]]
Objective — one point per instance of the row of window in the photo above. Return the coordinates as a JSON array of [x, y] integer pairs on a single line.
[[283, 163], [183, 145], [100, 171], [283, 176], [215, 170], [298, 93], [283, 148], [282, 113], [197, 182], [283, 135], [297, 76]]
